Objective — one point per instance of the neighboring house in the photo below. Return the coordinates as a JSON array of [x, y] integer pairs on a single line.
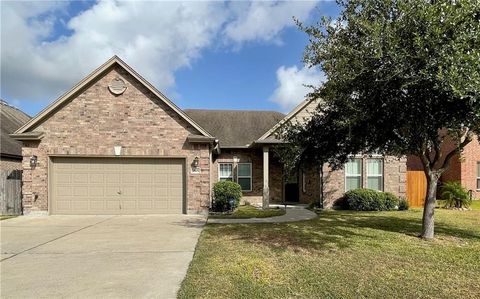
[[464, 168], [11, 119], [116, 145]]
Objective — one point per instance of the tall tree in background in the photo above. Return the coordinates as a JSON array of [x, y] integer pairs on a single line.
[[313, 149], [403, 78]]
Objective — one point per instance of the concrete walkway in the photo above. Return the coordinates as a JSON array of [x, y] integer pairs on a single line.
[[293, 214]]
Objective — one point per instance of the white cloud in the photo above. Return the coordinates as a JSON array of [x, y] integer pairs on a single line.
[[263, 20], [155, 38], [293, 85]]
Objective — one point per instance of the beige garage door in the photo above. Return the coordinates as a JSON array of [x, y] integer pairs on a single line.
[[116, 186]]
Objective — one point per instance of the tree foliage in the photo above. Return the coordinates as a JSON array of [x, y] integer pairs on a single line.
[[403, 77]]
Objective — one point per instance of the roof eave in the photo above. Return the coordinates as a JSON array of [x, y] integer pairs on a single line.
[[200, 139], [27, 136]]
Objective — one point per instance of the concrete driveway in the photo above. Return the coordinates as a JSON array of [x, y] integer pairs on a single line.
[[96, 256]]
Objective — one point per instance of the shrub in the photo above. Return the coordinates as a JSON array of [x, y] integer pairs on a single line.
[[226, 196], [403, 204], [455, 195], [391, 201], [341, 203], [371, 200]]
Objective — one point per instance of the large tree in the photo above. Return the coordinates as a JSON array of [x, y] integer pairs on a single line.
[[403, 77]]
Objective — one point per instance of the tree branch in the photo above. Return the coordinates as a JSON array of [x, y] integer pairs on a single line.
[[458, 149]]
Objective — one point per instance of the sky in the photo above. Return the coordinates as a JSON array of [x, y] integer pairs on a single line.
[[201, 54]]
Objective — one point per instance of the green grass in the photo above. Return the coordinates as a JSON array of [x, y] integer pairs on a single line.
[[340, 254], [474, 206], [244, 212], [4, 217]]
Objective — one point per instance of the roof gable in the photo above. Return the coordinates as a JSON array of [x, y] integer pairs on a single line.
[[299, 113], [93, 76]]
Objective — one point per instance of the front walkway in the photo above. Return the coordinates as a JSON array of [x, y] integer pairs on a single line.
[[293, 214]]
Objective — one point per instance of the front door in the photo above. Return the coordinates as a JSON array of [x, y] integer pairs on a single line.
[[291, 189]]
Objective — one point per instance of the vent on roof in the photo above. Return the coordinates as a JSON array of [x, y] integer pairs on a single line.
[[117, 86]]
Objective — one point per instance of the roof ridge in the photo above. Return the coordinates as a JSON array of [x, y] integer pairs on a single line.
[[232, 110]]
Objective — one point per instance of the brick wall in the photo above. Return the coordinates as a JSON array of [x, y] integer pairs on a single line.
[[469, 160], [334, 181], [463, 168], [96, 120], [254, 156]]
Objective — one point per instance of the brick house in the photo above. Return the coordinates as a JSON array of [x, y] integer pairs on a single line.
[[11, 119], [464, 168], [114, 144]]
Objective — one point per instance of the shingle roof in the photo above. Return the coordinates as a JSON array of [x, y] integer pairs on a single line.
[[235, 127], [11, 119]]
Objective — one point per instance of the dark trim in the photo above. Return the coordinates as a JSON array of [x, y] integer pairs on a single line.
[[10, 156], [200, 139]]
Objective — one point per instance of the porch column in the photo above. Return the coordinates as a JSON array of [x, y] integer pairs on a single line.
[[266, 190]]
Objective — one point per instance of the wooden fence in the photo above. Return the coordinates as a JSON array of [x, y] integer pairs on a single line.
[[10, 192], [416, 188]]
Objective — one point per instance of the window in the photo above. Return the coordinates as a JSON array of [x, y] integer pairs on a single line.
[[353, 174], [225, 172], [375, 174], [244, 176], [478, 175]]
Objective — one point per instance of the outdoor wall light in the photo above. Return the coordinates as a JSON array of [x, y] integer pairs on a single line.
[[195, 162], [33, 161], [236, 159]]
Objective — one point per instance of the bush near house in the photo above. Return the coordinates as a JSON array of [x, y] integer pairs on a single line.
[[226, 196], [403, 204], [371, 200], [455, 195]]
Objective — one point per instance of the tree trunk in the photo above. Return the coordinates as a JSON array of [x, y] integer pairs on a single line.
[[429, 207]]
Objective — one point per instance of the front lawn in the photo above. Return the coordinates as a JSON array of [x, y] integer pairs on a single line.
[[340, 254], [247, 211]]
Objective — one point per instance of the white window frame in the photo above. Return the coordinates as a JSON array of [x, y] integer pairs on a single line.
[[478, 176], [246, 177], [356, 176], [382, 175], [220, 177]]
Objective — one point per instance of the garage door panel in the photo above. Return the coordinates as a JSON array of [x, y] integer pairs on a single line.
[[117, 186], [80, 205], [63, 191], [112, 177], [97, 205], [128, 190], [145, 190], [96, 192], [80, 191], [145, 178], [96, 178]]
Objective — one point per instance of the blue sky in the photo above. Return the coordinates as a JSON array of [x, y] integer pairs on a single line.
[[217, 55]]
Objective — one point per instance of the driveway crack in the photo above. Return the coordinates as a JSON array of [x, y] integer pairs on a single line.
[[55, 239]]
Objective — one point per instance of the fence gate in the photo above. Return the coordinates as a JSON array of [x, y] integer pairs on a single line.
[[10, 192], [416, 188]]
